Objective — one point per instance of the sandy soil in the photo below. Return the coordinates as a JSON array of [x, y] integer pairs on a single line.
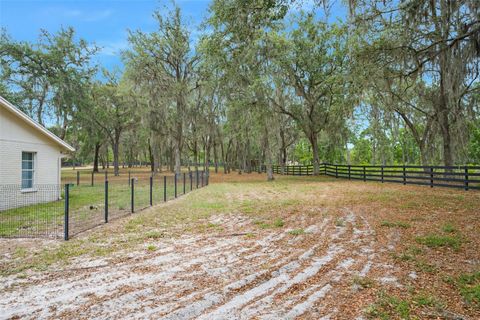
[[232, 274], [343, 247]]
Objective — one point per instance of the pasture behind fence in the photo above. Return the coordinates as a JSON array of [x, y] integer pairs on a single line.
[[62, 211]]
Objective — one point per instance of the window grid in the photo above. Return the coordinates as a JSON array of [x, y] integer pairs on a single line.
[[28, 169]]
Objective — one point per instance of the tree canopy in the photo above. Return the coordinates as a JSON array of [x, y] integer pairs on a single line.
[[395, 82]]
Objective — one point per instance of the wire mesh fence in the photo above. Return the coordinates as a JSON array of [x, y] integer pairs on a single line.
[[36, 212], [62, 211]]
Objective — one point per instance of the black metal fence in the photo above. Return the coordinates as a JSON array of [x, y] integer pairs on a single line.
[[463, 177], [62, 211]]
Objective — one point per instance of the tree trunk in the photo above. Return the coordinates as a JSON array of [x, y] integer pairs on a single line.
[[224, 158], [107, 158], [95, 157], [215, 156], [445, 130], [115, 147], [268, 156], [195, 154], [316, 160], [283, 152], [208, 147], [151, 157], [178, 168]]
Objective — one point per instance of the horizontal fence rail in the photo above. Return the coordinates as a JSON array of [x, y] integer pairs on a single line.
[[462, 177], [62, 211]]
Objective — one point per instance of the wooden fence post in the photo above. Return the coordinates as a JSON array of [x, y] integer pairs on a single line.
[[466, 178], [404, 176], [364, 174], [382, 175], [93, 173], [78, 178], [431, 177]]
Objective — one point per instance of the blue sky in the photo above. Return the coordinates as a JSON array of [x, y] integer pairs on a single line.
[[104, 22]]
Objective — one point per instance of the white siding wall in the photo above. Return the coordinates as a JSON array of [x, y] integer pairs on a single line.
[[16, 136]]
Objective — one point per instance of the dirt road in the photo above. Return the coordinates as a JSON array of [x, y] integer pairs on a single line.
[[231, 274]]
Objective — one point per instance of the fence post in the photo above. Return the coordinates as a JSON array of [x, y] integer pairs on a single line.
[[132, 200], [78, 178], [175, 179], [404, 176], [364, 174], [431, 177], [466, 178], [325, 167], [165, 188], [66, 213], [93, 173], [382, 175], [191, 180], [184, 183], [349, 172], [336, 171], [207, 177], [106, 201], [197, 179], [151, 191]]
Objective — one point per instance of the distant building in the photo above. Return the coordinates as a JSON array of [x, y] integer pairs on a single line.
[[30, 159]]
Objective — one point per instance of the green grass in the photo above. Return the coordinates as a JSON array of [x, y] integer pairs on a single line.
[[427, 300], [437, 241], [395, 224], [388, 307], [449, 228], [296, 232], [339, 222], [469, 286], [363, 282], [278, 223], [86, 203], [154, 234]]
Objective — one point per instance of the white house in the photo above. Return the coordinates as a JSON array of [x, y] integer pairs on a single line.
[[30, 159]]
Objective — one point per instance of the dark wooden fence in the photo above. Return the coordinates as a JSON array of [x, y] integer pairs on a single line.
[[463, 177]]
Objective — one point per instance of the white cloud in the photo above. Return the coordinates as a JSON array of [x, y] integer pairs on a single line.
[[97, 15], [81, 15]]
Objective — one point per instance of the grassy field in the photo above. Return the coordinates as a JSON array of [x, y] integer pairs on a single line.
[[87, 203], [305, 241]]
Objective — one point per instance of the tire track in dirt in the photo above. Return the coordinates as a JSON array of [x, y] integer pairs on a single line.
[[83, 288], [266, 298], [205, 277], [193, 309]]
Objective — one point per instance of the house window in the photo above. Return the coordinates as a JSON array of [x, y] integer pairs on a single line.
[[28, 169]]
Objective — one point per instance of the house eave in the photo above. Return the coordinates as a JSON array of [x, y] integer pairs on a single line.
[[17, 112]]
